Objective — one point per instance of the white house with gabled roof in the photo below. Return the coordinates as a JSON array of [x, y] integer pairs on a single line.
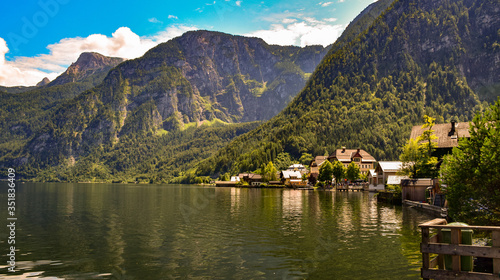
[[384, 170]]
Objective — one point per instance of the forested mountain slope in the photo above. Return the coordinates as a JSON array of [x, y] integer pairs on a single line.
[[200, 77], [48, 158], [24, 110], [434, 57]]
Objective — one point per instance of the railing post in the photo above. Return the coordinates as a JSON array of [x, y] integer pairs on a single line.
[[425, 256], [455, 239], [495, 236]]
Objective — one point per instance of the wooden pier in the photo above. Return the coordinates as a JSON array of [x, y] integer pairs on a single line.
[[426, 207], [350, 188], [432, 245]]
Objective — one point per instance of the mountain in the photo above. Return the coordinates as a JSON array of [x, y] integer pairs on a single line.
[[43, 82], [199, 77], [23, 110], [89, 64], [360, 23], [434, 57], [144, 145]]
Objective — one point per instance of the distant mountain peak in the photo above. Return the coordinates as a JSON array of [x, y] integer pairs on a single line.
[[88, 63], [92, 60], [43, 82]]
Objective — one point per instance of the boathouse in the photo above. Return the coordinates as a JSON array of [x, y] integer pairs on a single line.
[[384, 170]]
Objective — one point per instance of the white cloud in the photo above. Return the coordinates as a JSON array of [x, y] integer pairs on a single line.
[[289, 20], [154, 20], [172, 17], [326, 4], [281, 17], [12, 75], [311, 20], [3, 50], [238, 3], [330, 19], [308, 31], [123, 43]]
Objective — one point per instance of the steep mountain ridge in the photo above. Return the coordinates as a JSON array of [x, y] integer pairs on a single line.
[[88, 64], [200, 76], [418, 57]]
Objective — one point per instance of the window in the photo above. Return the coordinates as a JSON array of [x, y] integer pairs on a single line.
[[356, 159]]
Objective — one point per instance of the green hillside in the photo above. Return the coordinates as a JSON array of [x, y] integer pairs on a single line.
[[419, 57], [200, 77], [146, 158]]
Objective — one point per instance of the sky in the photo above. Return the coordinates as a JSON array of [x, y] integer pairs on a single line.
[[41, 38]]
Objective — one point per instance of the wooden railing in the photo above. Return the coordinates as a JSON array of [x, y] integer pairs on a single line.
[[433, 245]]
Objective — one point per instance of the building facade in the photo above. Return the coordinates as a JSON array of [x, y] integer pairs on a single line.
[[363, 159]]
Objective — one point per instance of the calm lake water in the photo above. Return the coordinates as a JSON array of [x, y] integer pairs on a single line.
[[112, 231]]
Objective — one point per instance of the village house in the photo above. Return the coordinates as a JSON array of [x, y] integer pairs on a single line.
[[316, 163], [235, 179], [291, 178], [251, 178], [415, 189], [448, 135], [383, 171], [372, 178], [298, 167], [314, 168], [363, 159]]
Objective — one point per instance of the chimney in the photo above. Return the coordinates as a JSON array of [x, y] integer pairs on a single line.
[[343, 149], [453, 126], [359, 150]]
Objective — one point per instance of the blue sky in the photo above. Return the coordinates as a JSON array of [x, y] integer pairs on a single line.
[[42, 38]]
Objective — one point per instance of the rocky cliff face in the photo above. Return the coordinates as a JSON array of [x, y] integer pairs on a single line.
[[88, 64], [199, 76], [221, 76]]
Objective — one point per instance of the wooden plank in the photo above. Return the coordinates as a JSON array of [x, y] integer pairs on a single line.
[[433, 223], [440, 256], [455, 239], [434, 239], [440, 261], [496, 245], [446, 274], [433, 263], [461, 250], [461, 227]]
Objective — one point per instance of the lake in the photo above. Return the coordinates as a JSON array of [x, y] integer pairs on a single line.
[[114, 231]]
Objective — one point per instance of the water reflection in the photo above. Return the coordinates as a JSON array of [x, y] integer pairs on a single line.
[[292, 206], [88, 231]]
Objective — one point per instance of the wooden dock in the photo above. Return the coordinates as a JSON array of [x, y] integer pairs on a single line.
[[436, 210], [455, 270], [350, 188]]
